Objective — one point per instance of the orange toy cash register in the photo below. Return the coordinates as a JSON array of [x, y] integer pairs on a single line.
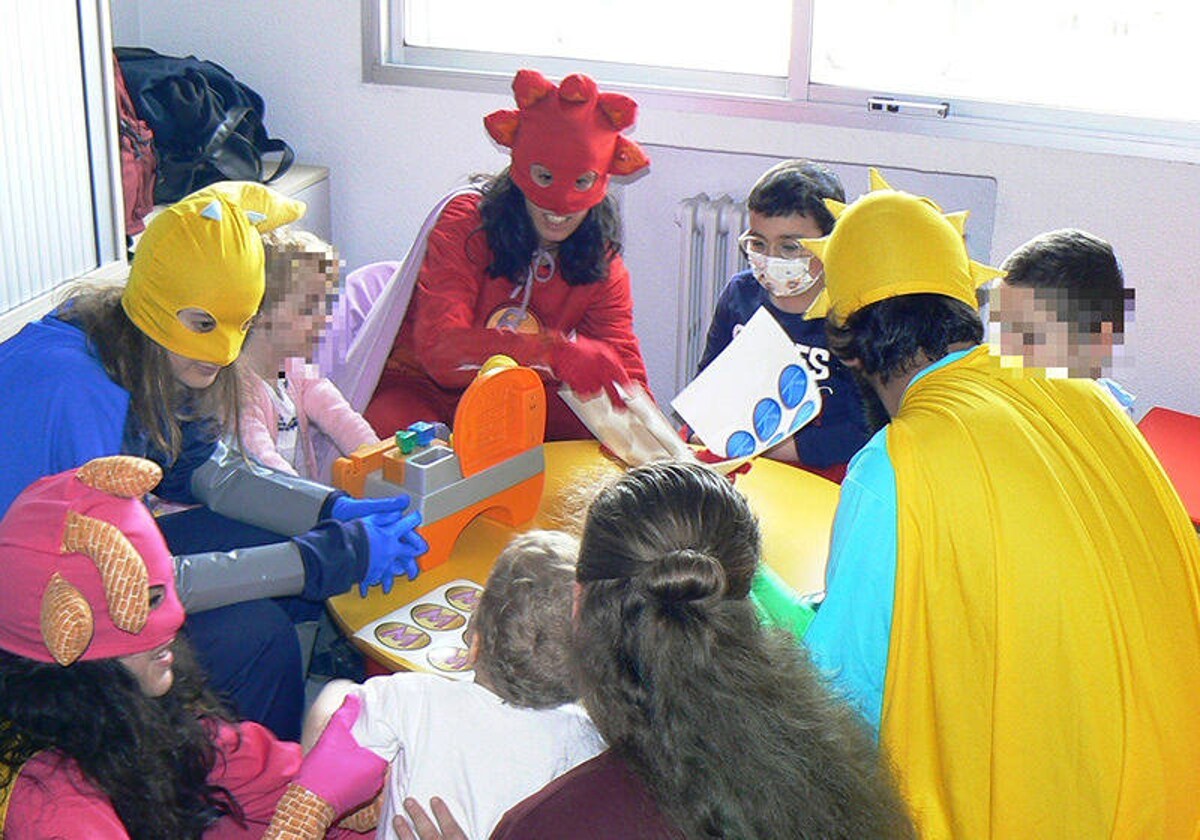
[[494, 466]]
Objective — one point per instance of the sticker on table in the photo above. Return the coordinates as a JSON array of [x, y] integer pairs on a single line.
[[449, 659], [437, 617], [400, 636], [465, 598], [427, 634]]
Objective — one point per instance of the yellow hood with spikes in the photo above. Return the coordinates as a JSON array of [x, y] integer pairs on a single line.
[[890, 243]]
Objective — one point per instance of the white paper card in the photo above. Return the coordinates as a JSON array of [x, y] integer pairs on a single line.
[[758, 392]]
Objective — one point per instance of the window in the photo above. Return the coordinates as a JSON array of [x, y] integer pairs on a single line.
[[1100, 62], [1093, 74], [60, 203]]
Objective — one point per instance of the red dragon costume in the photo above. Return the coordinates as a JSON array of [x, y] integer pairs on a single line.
[[566, 141]]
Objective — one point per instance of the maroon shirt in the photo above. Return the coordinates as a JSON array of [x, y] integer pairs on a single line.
[[598, 800]]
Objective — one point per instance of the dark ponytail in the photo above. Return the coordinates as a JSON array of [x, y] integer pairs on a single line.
[[728, 724]]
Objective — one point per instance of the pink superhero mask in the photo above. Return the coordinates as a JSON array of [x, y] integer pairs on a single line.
[[566, 140], [87, 574]]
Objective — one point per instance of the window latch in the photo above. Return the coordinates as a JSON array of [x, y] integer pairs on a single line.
[[888, 105]]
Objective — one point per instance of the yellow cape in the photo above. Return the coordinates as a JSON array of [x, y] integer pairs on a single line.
[[1043, 676]]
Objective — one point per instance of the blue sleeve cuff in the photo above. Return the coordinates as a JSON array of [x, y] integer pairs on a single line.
[[327, 505], [335, 558]]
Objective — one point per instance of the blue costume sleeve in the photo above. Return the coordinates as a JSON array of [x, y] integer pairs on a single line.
[[199, 443], [60, 409], [335, 558], [850, 636]]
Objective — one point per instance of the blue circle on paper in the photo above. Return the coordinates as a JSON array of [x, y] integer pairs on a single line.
[[740, 443], [793, 382], [767, 415], [806, 411]]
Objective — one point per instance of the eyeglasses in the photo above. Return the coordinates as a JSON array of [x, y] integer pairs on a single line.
[[788, 249]]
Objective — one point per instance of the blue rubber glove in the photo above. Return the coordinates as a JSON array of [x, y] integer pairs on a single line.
[[394, 547], [346, 508]]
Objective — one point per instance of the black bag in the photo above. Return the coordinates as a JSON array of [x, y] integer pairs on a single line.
[[207, 125]]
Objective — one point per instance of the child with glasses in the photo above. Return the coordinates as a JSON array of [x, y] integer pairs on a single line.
[[786, 205]]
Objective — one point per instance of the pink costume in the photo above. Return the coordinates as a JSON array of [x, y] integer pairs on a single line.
[[52, 798], [88, 577]]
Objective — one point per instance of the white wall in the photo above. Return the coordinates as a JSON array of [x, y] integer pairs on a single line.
[[393, 151]]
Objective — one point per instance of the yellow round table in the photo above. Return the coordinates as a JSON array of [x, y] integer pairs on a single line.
[[795, 511]]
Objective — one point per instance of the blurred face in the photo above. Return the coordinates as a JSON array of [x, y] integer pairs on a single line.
[[152, 668], [553, 228], [298, 319], [1029, 327]]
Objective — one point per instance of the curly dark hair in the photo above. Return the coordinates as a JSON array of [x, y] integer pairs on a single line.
[[726, 721], [583, 257], [903, 334], [150, 756], [141, 366]]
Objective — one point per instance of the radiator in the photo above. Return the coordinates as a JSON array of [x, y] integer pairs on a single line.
[[708, 257]]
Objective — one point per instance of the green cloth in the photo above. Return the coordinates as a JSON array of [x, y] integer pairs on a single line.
[[778, 604]]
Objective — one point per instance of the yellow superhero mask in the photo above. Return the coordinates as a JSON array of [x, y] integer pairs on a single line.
[[890, 243], [205, 253]]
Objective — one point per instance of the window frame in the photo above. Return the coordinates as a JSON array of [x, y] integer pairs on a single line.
[[796, 99], [108, 211]]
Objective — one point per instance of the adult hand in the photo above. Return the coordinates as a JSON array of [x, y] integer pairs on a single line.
[[337, 769], [346, 508], [394, 548], [447, 827], [588, 367]]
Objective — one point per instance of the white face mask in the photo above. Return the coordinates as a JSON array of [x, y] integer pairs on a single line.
[[783, 278]]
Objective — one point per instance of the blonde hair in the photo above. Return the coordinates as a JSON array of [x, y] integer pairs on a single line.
[[523, 622], [285, 247]]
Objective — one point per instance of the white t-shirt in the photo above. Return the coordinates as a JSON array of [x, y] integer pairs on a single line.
[[461, 742]]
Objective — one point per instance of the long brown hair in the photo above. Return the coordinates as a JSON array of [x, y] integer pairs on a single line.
[[727, 722], [141, 366]]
